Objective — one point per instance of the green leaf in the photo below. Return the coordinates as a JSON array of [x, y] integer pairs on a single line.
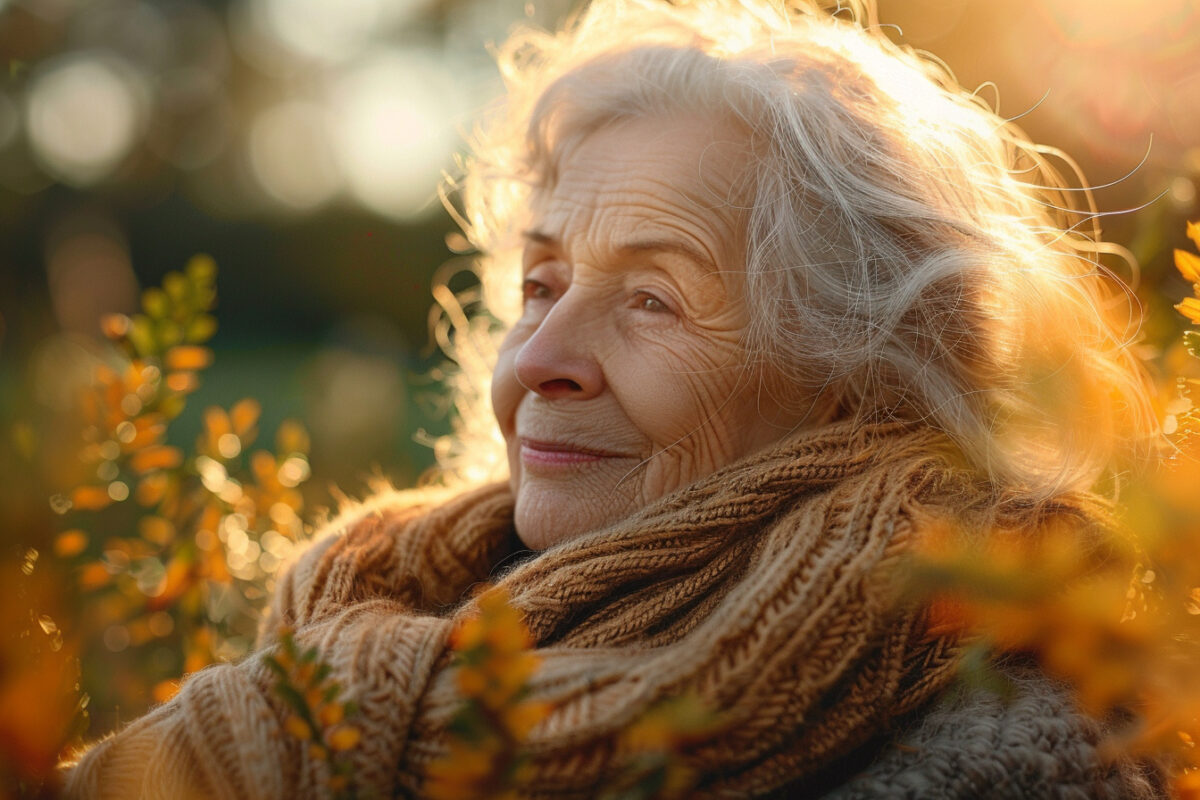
[[169, 333], [310, 655], [275, 666], [322, 673], [141, 336], [293, 698], [1191, 340], [155, 303], [176, 286], [201, 270], [204, 298], [201, 329], [171, 406]]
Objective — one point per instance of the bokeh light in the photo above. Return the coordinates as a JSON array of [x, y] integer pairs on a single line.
[[332, 30], [84, 114], [394, 130], [291, 156]]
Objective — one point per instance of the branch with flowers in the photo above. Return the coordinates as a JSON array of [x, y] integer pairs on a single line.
[[486, 757], [318, 717]]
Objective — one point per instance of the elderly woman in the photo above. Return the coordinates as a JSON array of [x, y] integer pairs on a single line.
[[788, 297]]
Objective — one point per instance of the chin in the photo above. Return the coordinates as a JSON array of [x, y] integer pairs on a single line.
[[546, 516]]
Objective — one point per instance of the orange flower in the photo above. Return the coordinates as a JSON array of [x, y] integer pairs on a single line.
[[331, 714], [244, 415], [93, 576], [1188, 264], [1190, 308], [344, 737], [165, 690], [152, 489], [70, 543], [187, 358], [183, 382], [90, 498], [297, 728], [158, 457], [155, 529]]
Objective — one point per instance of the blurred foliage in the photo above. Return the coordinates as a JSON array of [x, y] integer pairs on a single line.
[[169, 553], [654, 749], [1114, 613], [494, 666], [44, 709]]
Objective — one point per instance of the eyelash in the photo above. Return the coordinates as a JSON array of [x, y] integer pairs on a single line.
[[643, 300], [533, 290]]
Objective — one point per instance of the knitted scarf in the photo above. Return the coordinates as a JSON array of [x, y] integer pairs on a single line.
[[763, 589]]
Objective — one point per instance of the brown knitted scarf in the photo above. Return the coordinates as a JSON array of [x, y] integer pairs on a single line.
[[763, 589]]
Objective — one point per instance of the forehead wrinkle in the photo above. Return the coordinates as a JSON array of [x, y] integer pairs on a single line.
[[654, 222]]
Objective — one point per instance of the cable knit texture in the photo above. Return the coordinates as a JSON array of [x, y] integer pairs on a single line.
[[764, 589]]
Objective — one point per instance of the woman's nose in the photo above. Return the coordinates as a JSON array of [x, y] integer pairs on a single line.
[[557, 361]]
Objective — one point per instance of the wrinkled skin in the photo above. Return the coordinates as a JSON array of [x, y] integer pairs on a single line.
[[625, 377]]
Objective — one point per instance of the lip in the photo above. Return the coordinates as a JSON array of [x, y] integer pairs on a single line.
[[550, 453]]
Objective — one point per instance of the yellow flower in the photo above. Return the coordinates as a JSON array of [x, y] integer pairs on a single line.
[[521, 718], [1188, 264], [157, 457], [70, 543], [344, 737], [187, 358], [90, 498], [331, 714], [297, 728], [1190, 308]]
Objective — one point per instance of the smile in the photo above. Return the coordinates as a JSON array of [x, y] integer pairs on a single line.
[[536, 452]]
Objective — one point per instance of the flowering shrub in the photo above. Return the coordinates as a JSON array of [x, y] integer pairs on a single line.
[[160, 545], [207, 526]]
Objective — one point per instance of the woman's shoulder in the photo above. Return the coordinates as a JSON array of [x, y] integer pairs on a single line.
[[1026, 743]]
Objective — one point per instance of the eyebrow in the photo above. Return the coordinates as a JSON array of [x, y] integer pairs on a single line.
[[681, 248]]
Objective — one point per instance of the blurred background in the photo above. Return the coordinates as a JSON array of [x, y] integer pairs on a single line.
[[300, 143]]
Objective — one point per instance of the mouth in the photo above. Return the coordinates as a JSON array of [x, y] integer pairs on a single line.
[[549, 453]]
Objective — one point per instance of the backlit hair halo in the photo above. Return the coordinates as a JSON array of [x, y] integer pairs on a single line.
[[910, 253]]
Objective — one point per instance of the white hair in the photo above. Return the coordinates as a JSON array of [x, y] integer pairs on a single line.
[[910, 254]]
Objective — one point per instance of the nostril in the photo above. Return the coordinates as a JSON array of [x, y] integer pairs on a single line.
[[559, 386]]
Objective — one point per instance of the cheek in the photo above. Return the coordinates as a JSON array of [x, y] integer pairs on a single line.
[[676, 394], [506, 390]]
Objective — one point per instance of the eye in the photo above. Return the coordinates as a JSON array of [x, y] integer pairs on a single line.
[[645, 301], [535, 290]]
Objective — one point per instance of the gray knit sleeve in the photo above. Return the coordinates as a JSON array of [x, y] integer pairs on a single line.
[[975, 745]]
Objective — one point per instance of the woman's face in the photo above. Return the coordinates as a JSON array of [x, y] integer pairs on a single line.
[[625, 377]]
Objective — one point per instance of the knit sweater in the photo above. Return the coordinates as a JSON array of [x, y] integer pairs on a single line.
[[1032, 744], [764, 590]]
